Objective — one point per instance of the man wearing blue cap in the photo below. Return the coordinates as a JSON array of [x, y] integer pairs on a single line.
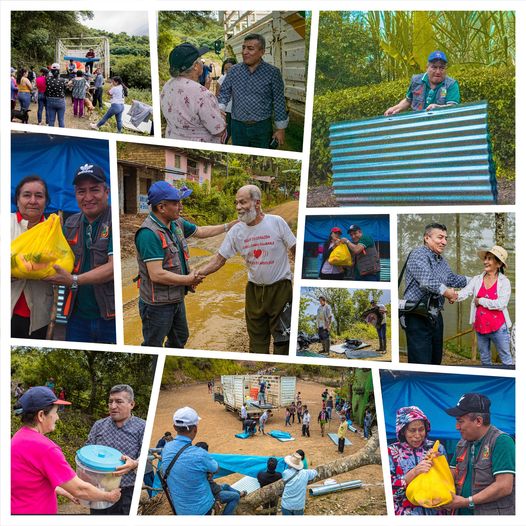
[[430, 90], [164, 273]]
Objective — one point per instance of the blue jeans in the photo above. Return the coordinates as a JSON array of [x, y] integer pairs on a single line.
[[501, 340], [285, 511], [91, 331], [368, 277], [41, 106], [114, 109], [55, 106], [257, 134], [164, 321], [329, 412], [97, 98], [229, 496], [25, 100]]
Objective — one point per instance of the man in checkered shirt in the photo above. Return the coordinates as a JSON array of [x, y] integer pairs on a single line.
[[427, 272], [122, 431], [257, 92]]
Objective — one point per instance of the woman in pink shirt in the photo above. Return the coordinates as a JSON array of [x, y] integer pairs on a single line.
[[39, 470], [40, 81], [491, 293]]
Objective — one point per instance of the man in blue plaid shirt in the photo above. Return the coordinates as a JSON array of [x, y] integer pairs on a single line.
[[428, 273], [258, 95]]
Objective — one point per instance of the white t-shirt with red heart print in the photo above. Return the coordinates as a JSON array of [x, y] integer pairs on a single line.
[[264, 247]]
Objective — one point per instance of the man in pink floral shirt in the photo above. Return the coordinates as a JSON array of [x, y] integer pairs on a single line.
[[191, 110]]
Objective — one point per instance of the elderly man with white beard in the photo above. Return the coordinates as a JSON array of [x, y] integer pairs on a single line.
[[264, 241]]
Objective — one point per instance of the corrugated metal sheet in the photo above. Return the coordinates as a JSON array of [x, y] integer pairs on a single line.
[[287, 390], [436, 157]]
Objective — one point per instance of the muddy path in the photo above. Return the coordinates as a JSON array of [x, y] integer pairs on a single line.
[[216, 312], [219, 426]]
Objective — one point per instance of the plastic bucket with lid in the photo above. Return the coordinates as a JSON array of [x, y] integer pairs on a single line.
[[96, 464]]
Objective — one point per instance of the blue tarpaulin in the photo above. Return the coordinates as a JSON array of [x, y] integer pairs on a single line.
[[433, 393], [318, 228], [55, 159], [244, 464]]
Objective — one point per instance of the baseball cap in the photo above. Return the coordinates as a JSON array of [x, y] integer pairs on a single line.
[[36, 398], [437, 55], [354, 228], [336, 229], [164, 191], [55, 65], [470, 403], [184, 55], [91, 171], [186, 416]]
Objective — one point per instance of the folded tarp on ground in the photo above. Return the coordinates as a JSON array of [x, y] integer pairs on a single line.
[[243, 435], [249, 465], [282, 436], [334, 438], [255, 403]]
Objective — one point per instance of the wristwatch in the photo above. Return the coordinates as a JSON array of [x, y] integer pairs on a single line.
[[471, 504], [75, 284]]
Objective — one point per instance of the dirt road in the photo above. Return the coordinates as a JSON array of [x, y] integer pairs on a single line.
[[218, 428]]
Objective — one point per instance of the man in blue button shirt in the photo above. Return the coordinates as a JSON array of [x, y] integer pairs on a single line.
[[257, 92], [188, 479], [429, 275]]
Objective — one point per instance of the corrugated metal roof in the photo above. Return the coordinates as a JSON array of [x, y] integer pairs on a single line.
[[436, 157]]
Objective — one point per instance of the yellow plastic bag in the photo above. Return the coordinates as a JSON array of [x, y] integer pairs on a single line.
[[340, 256], [34, 252], [434, 488]]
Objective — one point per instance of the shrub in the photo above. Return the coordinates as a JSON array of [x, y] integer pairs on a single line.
[[494, 84], [135, 71]]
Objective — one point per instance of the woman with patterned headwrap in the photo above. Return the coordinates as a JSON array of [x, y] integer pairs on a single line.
[[409, 457]]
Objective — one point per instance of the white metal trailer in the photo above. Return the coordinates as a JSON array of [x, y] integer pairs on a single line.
[[79, 46], [236, 390]]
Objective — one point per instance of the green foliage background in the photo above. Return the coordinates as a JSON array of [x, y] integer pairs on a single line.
[[87, 377], [378, 51]]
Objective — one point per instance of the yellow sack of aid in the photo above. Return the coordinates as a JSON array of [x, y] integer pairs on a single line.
[[434, 488], [340, 256], [34, 252]]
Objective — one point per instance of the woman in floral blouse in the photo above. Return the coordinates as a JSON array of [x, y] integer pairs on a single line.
[[409, 457]]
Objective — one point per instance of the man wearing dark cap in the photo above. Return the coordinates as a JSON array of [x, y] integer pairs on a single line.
[[164, 272], [430, 90], [484, 462], [365, 255], [90, 299], [191, 110], [258, 97], [268, 477]]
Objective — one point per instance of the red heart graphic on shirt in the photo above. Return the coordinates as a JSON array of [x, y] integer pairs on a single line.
[[257, 253]]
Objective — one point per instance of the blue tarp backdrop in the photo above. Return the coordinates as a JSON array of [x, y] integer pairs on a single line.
[[318, 228], [244, 464], [435, 392], [55, 159]]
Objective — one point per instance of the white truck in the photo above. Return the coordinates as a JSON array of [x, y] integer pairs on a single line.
[[235, 390], [77, 47], [284, 32]]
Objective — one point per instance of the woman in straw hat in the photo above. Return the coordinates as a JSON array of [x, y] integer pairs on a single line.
[[491, 293], [295, 478]]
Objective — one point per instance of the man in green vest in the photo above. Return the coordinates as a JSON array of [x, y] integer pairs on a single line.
[[430, 90], [483, 465], [164, 271]]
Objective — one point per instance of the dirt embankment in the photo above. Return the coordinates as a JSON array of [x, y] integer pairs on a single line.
[[218, 428]]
